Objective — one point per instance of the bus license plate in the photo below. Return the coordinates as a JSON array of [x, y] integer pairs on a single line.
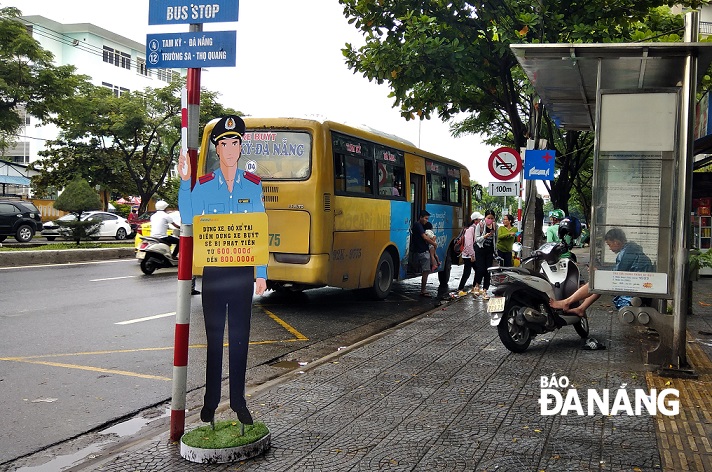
[[495, 305]]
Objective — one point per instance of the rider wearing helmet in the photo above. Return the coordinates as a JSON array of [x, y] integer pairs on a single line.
[[552, 233]]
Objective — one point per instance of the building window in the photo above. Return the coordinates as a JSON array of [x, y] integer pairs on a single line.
[[118, 91], [125, 61], [141, 67], [117, 58], [21, 159], [166, 75]]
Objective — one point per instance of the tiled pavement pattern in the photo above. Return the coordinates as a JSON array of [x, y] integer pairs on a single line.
[[442, 393]]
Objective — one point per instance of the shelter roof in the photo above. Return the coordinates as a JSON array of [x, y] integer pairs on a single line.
[[566, 76]]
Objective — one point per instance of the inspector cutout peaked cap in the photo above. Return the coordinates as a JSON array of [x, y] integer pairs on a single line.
[[230, 126]]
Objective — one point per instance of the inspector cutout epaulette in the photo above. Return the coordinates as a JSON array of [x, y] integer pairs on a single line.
[[206, 178], [255, 179]]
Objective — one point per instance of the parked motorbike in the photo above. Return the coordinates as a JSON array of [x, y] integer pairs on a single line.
[[154, 254], [519, 301]]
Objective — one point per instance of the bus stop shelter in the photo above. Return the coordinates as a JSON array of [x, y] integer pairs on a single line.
[[639, 99]]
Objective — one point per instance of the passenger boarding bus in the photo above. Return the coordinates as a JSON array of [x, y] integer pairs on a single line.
[[341, 199]]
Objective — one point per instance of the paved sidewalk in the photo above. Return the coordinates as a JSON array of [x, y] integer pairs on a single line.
[[441, 393]]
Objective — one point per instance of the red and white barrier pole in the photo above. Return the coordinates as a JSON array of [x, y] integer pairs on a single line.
[[190, 114]]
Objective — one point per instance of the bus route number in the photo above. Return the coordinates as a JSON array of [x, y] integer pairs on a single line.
[[274, 239]]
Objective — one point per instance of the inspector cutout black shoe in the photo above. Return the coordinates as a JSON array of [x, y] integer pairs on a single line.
[[207, 415], [243, 414]]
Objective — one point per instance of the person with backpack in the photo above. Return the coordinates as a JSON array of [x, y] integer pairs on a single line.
[[485, 244], [468, 251]]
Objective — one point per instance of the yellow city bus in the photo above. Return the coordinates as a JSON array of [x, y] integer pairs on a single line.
[[340, 201]]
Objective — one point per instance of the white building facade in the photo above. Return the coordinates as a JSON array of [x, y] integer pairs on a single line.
[[110, 60]]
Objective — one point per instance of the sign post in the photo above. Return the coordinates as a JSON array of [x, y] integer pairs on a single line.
[[192, 50]]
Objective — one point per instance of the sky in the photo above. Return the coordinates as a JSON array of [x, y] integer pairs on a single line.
[[289, 63]]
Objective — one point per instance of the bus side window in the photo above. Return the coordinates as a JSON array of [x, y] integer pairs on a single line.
[[454, 190], [368, 176], [339, 173]]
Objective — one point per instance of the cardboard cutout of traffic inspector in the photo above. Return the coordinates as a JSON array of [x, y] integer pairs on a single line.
[[230, 237]]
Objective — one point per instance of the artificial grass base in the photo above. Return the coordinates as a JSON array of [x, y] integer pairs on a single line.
[[224, 443]]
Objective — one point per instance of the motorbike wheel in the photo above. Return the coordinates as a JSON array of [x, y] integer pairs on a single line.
[[582, 327], [148, 266], [514, 337]]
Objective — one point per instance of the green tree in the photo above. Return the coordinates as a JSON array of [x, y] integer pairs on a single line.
[[77, 198], [126, 144], [486, 201], [28, 80], [453, 57]]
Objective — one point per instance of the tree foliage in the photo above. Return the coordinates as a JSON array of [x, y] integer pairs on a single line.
[[450, 57], [77, 198], [28, 79], [127, 144]]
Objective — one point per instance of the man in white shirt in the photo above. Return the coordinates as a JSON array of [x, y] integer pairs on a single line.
[[160, 222]]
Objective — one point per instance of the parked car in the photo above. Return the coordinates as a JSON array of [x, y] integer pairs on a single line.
[[19, 218], [112, 226]]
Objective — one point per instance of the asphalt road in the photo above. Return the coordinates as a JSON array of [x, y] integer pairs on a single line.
[[87, 345]]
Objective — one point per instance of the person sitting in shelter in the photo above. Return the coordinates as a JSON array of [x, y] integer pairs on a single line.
[[629, 258]]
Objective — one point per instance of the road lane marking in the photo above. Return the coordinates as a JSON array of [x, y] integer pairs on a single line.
[[114, 278], [37, 359], [41, 266], [94, 369], [291, 330], [147, 318]]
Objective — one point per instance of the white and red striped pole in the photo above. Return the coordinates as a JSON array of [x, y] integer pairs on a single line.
[[190, 114]]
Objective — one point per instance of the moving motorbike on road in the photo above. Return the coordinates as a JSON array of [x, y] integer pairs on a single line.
[[519, 304], [155, 254]]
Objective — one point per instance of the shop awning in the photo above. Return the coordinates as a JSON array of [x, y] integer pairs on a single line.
[[14, 180]]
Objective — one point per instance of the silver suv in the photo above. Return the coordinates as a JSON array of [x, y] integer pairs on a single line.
[[19, 218]]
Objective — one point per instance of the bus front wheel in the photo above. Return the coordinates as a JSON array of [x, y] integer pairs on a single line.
[[383, 281]]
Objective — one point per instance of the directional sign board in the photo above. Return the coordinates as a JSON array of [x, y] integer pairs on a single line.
[[539, 164], [173, 12], [504, 189], [505, 163], [191, 50]]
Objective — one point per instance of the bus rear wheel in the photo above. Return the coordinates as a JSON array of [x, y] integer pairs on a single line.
[[383, 280]]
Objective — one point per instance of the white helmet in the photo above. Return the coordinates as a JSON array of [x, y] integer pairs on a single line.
[[161, 205]]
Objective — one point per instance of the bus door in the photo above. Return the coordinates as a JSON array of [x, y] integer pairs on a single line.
[[416, 196], [417, 182]]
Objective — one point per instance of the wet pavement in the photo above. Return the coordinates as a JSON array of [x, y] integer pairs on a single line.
[[440, 392]]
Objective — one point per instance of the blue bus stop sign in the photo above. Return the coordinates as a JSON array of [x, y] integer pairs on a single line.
[[191, 50], [174, 12]]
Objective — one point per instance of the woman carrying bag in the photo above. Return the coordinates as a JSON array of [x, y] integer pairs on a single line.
[[485, 244], [468, 253]]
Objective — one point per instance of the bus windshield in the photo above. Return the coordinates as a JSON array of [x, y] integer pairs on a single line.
[[273, 155]]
